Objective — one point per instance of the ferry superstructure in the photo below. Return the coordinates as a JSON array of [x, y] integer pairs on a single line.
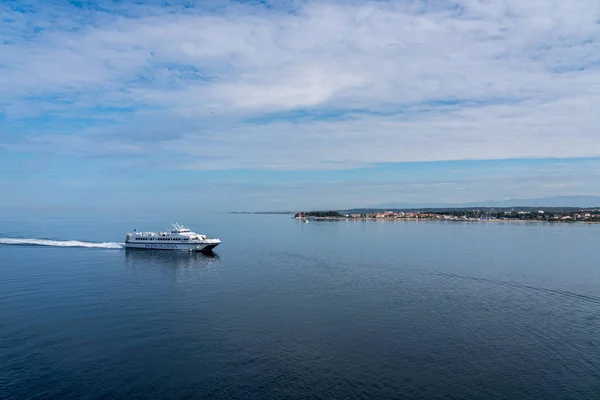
[[177, 238]]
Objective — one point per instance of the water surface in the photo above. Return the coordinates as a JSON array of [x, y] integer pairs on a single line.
[[328, 310]]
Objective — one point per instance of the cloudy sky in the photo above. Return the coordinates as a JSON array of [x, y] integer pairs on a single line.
[[230, 105]]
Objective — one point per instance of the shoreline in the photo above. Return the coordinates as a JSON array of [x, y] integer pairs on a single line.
[[444, 220]]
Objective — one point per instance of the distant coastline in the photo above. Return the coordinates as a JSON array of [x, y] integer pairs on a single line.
[[525, 214], [263, 212]]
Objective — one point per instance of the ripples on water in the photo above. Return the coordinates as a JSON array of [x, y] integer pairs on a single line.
[[282, 310]]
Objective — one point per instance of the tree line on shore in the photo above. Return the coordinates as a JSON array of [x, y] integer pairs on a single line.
[[320, 214]]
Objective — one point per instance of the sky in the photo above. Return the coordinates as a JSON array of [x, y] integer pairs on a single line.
[[292, 104]]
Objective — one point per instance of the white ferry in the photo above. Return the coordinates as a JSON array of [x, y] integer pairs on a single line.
[[178, 238]]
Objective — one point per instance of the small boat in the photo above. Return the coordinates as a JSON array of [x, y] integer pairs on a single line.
[[178, 238]]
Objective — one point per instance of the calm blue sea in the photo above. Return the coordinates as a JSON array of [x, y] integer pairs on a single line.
[[286, 310]]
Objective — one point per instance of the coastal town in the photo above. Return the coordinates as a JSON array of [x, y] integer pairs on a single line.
[[473, 215]]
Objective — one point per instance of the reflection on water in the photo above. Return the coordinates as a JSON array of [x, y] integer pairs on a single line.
[[136, 258]]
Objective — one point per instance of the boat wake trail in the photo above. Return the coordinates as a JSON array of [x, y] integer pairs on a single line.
[[60, 243], [542, 290]]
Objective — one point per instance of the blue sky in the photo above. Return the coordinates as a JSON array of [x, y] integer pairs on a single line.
[[296, 104]]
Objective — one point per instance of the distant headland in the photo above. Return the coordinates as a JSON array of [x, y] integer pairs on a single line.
[[532, 214], [545, 209]]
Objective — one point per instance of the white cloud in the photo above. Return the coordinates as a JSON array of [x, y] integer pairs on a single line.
[[478, 80]]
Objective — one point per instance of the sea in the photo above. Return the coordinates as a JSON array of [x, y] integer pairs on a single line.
[[291, 310]]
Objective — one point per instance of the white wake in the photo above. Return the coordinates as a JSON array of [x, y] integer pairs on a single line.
[[61, 243]]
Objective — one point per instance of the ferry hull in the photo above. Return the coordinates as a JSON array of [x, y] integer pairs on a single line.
[[206, 247]]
